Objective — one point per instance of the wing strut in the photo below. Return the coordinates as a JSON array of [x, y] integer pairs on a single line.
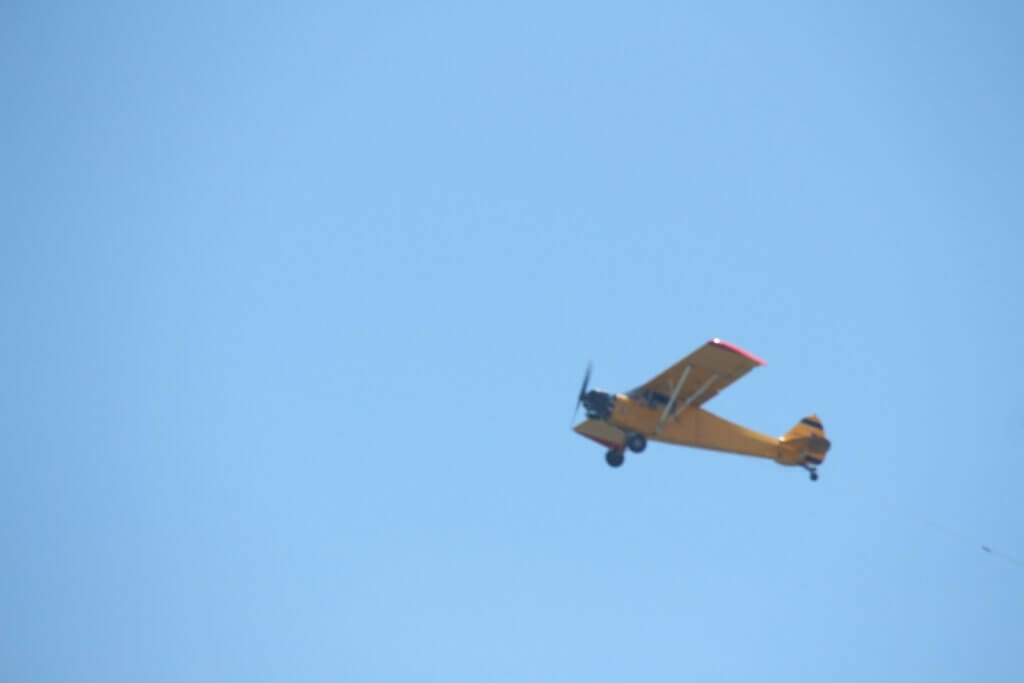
[[672, 399], [689, 399], [697, 394]]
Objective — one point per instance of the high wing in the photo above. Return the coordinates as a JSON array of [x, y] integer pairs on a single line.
[[697, 378]]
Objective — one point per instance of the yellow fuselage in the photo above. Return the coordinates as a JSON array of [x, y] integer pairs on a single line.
[[699, 428]]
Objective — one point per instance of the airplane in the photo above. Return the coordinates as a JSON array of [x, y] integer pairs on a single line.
[[668, 409]]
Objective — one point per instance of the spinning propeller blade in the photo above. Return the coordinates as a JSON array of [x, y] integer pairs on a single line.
[[583, 390]]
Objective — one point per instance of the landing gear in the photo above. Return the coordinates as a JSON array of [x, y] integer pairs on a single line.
[[637, 443], [813, 470], [615, 457]]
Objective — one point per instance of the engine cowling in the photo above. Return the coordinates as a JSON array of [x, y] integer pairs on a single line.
[[598, 404]]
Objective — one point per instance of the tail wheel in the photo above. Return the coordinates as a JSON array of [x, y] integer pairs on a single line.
[[637, 443], [615, 457]]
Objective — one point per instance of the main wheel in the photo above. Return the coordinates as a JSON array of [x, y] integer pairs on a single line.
[[637, 442], [615, 457], [814, 476]]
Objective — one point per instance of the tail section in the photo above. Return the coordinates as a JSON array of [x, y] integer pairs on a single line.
[[805, 444]]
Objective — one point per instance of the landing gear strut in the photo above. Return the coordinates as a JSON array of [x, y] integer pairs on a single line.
[[615, 457]]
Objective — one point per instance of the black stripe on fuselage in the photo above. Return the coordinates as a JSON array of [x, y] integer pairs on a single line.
[[811, 423]]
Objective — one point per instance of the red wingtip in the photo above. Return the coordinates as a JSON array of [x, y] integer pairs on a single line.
[[735, 349]]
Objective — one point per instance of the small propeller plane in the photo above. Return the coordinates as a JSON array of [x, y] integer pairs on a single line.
[[668, 408]]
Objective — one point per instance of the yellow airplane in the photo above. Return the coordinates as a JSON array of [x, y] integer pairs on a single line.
[[668, 408]]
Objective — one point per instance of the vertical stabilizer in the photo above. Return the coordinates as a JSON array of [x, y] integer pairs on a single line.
[[805, 443]]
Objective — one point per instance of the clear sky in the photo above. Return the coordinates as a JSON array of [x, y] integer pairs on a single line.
[[297, 298]]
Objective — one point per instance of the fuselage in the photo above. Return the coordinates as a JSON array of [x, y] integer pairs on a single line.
[[689, 426]]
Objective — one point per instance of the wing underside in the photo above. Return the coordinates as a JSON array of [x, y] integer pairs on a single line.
[[602, 432]]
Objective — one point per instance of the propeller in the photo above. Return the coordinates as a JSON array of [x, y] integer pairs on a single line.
[[583, 390]]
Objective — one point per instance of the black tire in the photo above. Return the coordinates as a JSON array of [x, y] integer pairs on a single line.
[[615, 457], [637, 443], [814, 476]]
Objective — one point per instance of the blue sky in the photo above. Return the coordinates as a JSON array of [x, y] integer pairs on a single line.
[[298, 298]]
